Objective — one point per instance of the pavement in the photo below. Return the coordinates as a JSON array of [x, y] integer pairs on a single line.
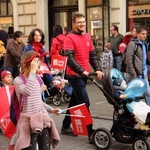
[[101, 112]]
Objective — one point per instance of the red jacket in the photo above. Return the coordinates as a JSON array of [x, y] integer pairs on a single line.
[[80, 52], [57, 44]]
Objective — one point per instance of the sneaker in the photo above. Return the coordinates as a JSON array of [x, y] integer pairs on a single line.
[[11, 147], [67, 131]]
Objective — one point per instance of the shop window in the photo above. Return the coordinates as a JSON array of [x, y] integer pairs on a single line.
[[6, 13], [10, 10], [106, 24], [65, 2], [5, 7], [98, 26], [138, 13]]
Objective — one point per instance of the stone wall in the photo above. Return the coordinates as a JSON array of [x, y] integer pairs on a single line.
[[26, 16]]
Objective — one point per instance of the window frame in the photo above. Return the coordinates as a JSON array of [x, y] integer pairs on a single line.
[[6, 9]]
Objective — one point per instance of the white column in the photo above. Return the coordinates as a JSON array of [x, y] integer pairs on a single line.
[[42, 19], [81, 6], [15, 14], [118, 14], [122, 16]]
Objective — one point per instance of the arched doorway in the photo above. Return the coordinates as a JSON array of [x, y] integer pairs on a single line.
[[61, 12], [6, 14]]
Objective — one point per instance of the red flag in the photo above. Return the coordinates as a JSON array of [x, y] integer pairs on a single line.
[[81, 110], [58, 62], [44, 69], [79, 125], [5, 94], [7, 126], [5, 122]]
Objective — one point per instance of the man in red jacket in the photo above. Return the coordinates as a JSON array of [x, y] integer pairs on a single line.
[[80, 52]]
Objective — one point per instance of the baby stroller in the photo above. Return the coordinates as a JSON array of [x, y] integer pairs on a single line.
[[123, 129], [57, 94]]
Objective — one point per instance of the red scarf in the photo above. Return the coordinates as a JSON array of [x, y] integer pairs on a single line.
[[38, 47]]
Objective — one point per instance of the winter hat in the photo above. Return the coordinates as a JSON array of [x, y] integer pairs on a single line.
[[117, 82], [5, 73], [108, 45], [120, 82]]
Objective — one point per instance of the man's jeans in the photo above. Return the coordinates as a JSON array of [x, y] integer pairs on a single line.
[[117, 62], [79, 96], [147, 93]]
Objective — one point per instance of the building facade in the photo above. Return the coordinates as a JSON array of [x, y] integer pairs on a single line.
[[25, 15]]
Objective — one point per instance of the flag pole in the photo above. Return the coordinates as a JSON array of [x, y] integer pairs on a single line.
[[62, 110]]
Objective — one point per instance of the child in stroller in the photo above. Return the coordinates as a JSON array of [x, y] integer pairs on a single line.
[[124, 128], [139, 108], [57, 92]]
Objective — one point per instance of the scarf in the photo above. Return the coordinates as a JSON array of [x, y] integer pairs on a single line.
[[38, 47]]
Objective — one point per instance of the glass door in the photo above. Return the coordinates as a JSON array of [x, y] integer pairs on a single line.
[[63, 18], [61, 12]]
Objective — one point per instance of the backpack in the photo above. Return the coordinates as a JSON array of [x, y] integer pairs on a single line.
[[123, 63], [16, 106]]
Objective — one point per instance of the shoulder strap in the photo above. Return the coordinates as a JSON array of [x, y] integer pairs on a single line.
[[37, 77], [22, 96], [135, 48], [39, 80], [23, 78]]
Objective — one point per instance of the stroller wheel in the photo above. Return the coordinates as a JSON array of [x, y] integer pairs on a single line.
[[66, 97], [56, 100], [102, 139], [140, 143]]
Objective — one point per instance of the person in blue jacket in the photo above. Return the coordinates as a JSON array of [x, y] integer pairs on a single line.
[[36, 42]]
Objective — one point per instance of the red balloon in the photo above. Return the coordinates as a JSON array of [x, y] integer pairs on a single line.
[[122, 47]]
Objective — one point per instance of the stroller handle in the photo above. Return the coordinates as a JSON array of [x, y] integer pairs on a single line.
[[89, 76]]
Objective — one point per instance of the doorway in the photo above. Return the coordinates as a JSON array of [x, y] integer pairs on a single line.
[[61, 14]]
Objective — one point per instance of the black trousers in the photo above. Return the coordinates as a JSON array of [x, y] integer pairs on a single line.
[[79, 96], [43, 140]]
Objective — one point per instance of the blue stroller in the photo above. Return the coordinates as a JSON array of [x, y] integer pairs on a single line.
[[124, 123]]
